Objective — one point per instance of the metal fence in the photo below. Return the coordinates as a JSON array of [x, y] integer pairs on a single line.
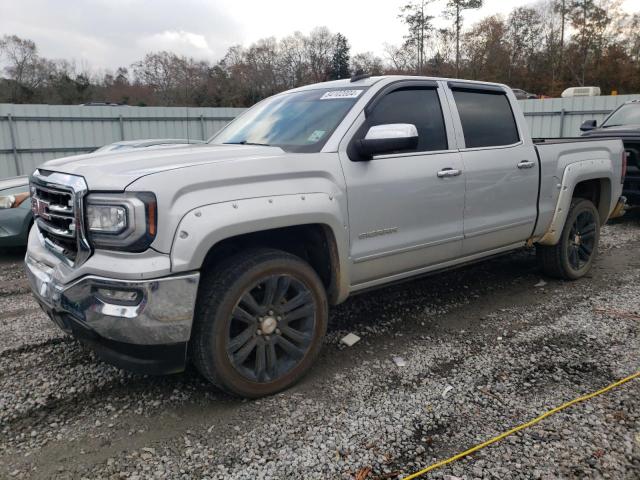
[[32, 134], [562, 117]]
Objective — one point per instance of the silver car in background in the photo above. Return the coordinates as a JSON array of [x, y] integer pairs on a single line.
[[15, 222]]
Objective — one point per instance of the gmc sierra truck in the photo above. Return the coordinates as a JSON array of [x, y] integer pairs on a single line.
[[228, 254]]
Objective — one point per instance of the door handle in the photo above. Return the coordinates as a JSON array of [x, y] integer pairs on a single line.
[[526, 164], [449, 172]]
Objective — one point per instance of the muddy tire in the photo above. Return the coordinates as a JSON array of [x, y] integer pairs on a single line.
[[259, 324], [573, 256]]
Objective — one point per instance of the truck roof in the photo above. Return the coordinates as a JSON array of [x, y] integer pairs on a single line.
[[368, 81]]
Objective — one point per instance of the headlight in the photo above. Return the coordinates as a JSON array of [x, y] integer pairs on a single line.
[[121, 221], [106, 218]]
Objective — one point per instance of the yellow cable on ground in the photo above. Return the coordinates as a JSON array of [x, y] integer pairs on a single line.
[[521, 427]]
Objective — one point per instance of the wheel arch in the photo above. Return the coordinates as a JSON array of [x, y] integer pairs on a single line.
[[309, 226], [590, 179], [598, 190]]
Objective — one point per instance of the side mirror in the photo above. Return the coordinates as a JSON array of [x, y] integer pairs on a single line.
[[588, 125], [387, 138]]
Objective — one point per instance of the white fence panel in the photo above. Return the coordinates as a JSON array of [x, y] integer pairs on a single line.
[[562, 117], [33, 134]]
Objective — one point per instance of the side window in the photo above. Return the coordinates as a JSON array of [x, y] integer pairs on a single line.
[[487, 119], [419, 106]]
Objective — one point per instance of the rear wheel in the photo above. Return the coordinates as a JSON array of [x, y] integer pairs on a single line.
[[259, 323], [573, 256]]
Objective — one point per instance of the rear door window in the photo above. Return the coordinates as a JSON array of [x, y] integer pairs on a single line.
[[487, 118]]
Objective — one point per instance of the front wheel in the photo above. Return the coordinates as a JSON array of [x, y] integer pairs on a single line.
[[259, 324], [573, 256]]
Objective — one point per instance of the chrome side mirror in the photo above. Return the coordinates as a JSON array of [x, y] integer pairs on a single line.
[[392, 137]]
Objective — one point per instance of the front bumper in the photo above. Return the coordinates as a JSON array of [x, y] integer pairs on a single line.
[[140, 325]]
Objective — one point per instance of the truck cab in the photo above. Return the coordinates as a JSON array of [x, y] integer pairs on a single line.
[[229, 254]]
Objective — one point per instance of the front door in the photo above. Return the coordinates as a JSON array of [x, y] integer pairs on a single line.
[[405, 208]]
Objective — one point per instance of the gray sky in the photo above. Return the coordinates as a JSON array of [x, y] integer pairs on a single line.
[[105, 34]]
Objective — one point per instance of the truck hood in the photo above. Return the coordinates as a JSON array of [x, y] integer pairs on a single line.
[[116, 170], [622, 131]]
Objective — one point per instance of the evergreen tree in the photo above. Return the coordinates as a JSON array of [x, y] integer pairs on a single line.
[[340, 58]]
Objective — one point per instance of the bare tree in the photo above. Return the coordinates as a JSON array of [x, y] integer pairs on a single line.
[[590, 19], [403, 58], [420, 28], [453, 10], [172, 77], [26, 70], [486, 48], [318, 48], [367, 62], [524, 29], [293, 61]]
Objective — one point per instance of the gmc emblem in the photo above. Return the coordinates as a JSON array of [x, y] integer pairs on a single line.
[[40, 208]]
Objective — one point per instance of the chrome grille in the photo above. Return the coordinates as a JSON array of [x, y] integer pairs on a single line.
[[56, 201]]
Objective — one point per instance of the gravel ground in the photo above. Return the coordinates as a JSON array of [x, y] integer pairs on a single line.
[[486, 347]]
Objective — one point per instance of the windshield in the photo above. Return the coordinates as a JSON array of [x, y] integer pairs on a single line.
[[628, 114], [296, 122]]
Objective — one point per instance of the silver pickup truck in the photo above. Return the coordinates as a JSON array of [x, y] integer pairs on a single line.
[[229, 254]]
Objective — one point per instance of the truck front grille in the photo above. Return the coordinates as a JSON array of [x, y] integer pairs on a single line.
[[56, 202]]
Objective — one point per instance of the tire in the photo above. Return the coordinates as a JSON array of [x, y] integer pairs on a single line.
[[259, 323], [572, 257]]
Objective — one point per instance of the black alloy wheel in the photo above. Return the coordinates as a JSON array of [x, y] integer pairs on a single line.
[[271, 328], [260, 319], [572, 257], [582, 236]]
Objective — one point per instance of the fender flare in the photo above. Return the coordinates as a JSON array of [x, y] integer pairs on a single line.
[[202, 228], [574, 173]]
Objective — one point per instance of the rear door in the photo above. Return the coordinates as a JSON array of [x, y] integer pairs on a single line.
[[405, 208], [501, 167]]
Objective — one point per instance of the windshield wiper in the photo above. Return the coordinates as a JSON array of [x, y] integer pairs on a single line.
[[244, 142]]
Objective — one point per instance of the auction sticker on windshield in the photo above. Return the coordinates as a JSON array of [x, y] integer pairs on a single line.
[[316, 135], [333, 94]]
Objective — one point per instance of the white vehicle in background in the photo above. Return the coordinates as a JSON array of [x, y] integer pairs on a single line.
[[144, 143], [581, 92]]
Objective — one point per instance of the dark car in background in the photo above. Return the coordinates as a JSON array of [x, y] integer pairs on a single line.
[[624, 123], [15, 222]]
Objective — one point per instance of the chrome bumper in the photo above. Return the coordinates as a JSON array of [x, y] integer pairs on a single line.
[[147, 312]]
